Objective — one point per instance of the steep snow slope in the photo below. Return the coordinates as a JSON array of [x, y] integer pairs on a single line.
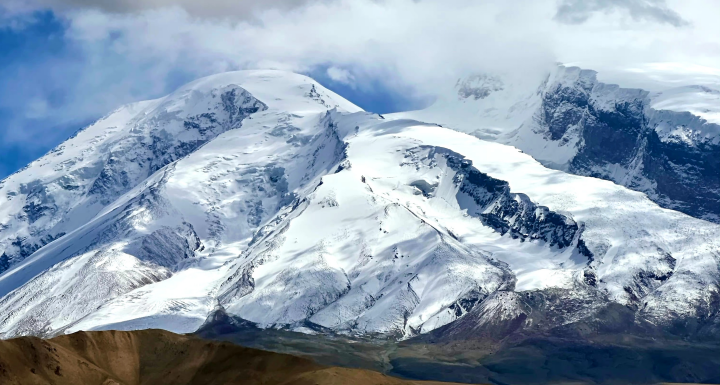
[[311, 214], [143, 224], [663, 144], [67, 187]]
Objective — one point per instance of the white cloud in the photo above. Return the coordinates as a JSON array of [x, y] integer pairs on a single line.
[[340, 75], [418, 43], [130, 46], [421, 43]]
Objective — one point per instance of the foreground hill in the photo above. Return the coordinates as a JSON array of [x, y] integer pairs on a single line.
[[160, 357]]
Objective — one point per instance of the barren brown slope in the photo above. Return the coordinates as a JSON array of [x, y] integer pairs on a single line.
[[161, 357]]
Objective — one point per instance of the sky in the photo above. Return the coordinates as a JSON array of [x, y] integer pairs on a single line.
[[65, 63]]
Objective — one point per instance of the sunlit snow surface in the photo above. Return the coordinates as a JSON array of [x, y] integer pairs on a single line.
[[314, 211]]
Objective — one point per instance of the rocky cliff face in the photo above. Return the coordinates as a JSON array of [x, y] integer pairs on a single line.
[[510, 213], [615, 134]]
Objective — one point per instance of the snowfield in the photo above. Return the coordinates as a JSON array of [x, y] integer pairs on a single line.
[[266, 194]]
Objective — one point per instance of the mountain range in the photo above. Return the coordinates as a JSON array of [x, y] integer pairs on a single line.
[[507, 210]]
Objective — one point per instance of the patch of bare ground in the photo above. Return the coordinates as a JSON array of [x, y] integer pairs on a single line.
[[160, 357]]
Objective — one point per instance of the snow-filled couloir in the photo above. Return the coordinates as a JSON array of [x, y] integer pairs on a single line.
[[266, 194]]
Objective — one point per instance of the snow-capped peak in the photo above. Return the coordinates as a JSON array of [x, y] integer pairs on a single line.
[[281, 90]]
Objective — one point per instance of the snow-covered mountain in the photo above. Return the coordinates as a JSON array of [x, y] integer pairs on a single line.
[[664, 144], [271, 197]]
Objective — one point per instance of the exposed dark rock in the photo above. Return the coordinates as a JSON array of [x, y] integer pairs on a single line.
[[4, 263], [24, 249], [616, 128], [511, 213], [467, 302], [38, 203]]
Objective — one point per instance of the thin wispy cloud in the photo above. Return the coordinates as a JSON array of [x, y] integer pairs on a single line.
[[579, 11]]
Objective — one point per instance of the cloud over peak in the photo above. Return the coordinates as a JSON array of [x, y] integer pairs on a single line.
[[109, 52]]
